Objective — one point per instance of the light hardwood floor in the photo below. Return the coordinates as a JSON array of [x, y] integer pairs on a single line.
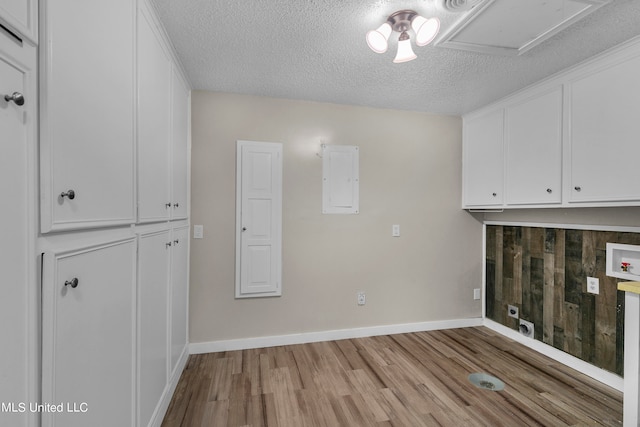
[[416, 379]]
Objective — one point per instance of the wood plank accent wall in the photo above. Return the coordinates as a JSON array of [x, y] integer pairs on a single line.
[[543, 271]]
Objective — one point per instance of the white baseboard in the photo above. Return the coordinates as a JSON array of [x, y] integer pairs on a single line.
[[606, 377], [339, 334], [161, 409]]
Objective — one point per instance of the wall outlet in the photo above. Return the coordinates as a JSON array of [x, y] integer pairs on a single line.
[[476, 293], [512, 311], [362, 298], [395, 230], [198, 231], [593, 285]]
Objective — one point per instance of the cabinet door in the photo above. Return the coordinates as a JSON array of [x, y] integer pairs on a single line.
[[179, 293], [180, 141], [604, 129], [533, 133], [21, 16], [153, 281], [154, 123], [483, 160], [89, 302], [18, 299], [87, 114]]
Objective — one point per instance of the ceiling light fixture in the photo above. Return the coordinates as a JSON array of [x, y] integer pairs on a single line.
[[401, 21]]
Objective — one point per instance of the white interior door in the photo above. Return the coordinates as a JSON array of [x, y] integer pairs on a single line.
[[259, 219]]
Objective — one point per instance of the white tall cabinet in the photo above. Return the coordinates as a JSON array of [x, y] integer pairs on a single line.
[[18, 260], [114, 213]]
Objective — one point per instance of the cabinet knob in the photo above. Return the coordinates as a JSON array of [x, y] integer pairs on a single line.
[[167, 205], [244, 228], [15, 97], [73, 282], [494, 194], [168, 244], [175, 242], [175, 205], [70, 194], [577, 188], [549, 190]]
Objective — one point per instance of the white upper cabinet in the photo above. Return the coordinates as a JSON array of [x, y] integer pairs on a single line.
[[533, 139], [605, 132], [21, 18], [571, 140], [483, 159], [87, 114], [154, 122], [180, 147]]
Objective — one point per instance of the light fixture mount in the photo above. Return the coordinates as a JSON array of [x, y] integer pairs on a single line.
[[400, 21]]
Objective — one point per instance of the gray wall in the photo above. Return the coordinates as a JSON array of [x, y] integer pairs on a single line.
[[410, 174]]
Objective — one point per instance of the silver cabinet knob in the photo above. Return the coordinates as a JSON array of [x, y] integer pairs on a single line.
[[577, 188], [494, 194], [73, 282], [176, 205], [15, 97], [167, 205], [549, 190], [70, 194], [244, 228]]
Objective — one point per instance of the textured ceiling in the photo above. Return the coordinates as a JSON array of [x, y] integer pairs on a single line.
[[315, 50]]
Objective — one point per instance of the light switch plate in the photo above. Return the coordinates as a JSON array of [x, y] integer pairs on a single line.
[[198, 231], [593, 285], [395, 230]]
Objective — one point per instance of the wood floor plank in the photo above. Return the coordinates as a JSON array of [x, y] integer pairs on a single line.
[[417, 379]]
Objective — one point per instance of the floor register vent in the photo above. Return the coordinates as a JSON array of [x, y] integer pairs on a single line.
[[486, 382]]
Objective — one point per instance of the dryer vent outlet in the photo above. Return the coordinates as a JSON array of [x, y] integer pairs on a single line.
[[526, 328]]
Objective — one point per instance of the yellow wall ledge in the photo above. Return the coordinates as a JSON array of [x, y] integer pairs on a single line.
[[629, 287]]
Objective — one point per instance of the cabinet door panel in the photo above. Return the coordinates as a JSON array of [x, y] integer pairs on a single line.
[[180, 134], [604, 131], [21, 16], [17, 254], [484, 160], [154, 123], [153, 270], [87, 126], [534, 150], [88, 335], [179, 293]]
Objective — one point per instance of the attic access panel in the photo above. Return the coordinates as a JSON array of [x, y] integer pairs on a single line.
[[513, 27]]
